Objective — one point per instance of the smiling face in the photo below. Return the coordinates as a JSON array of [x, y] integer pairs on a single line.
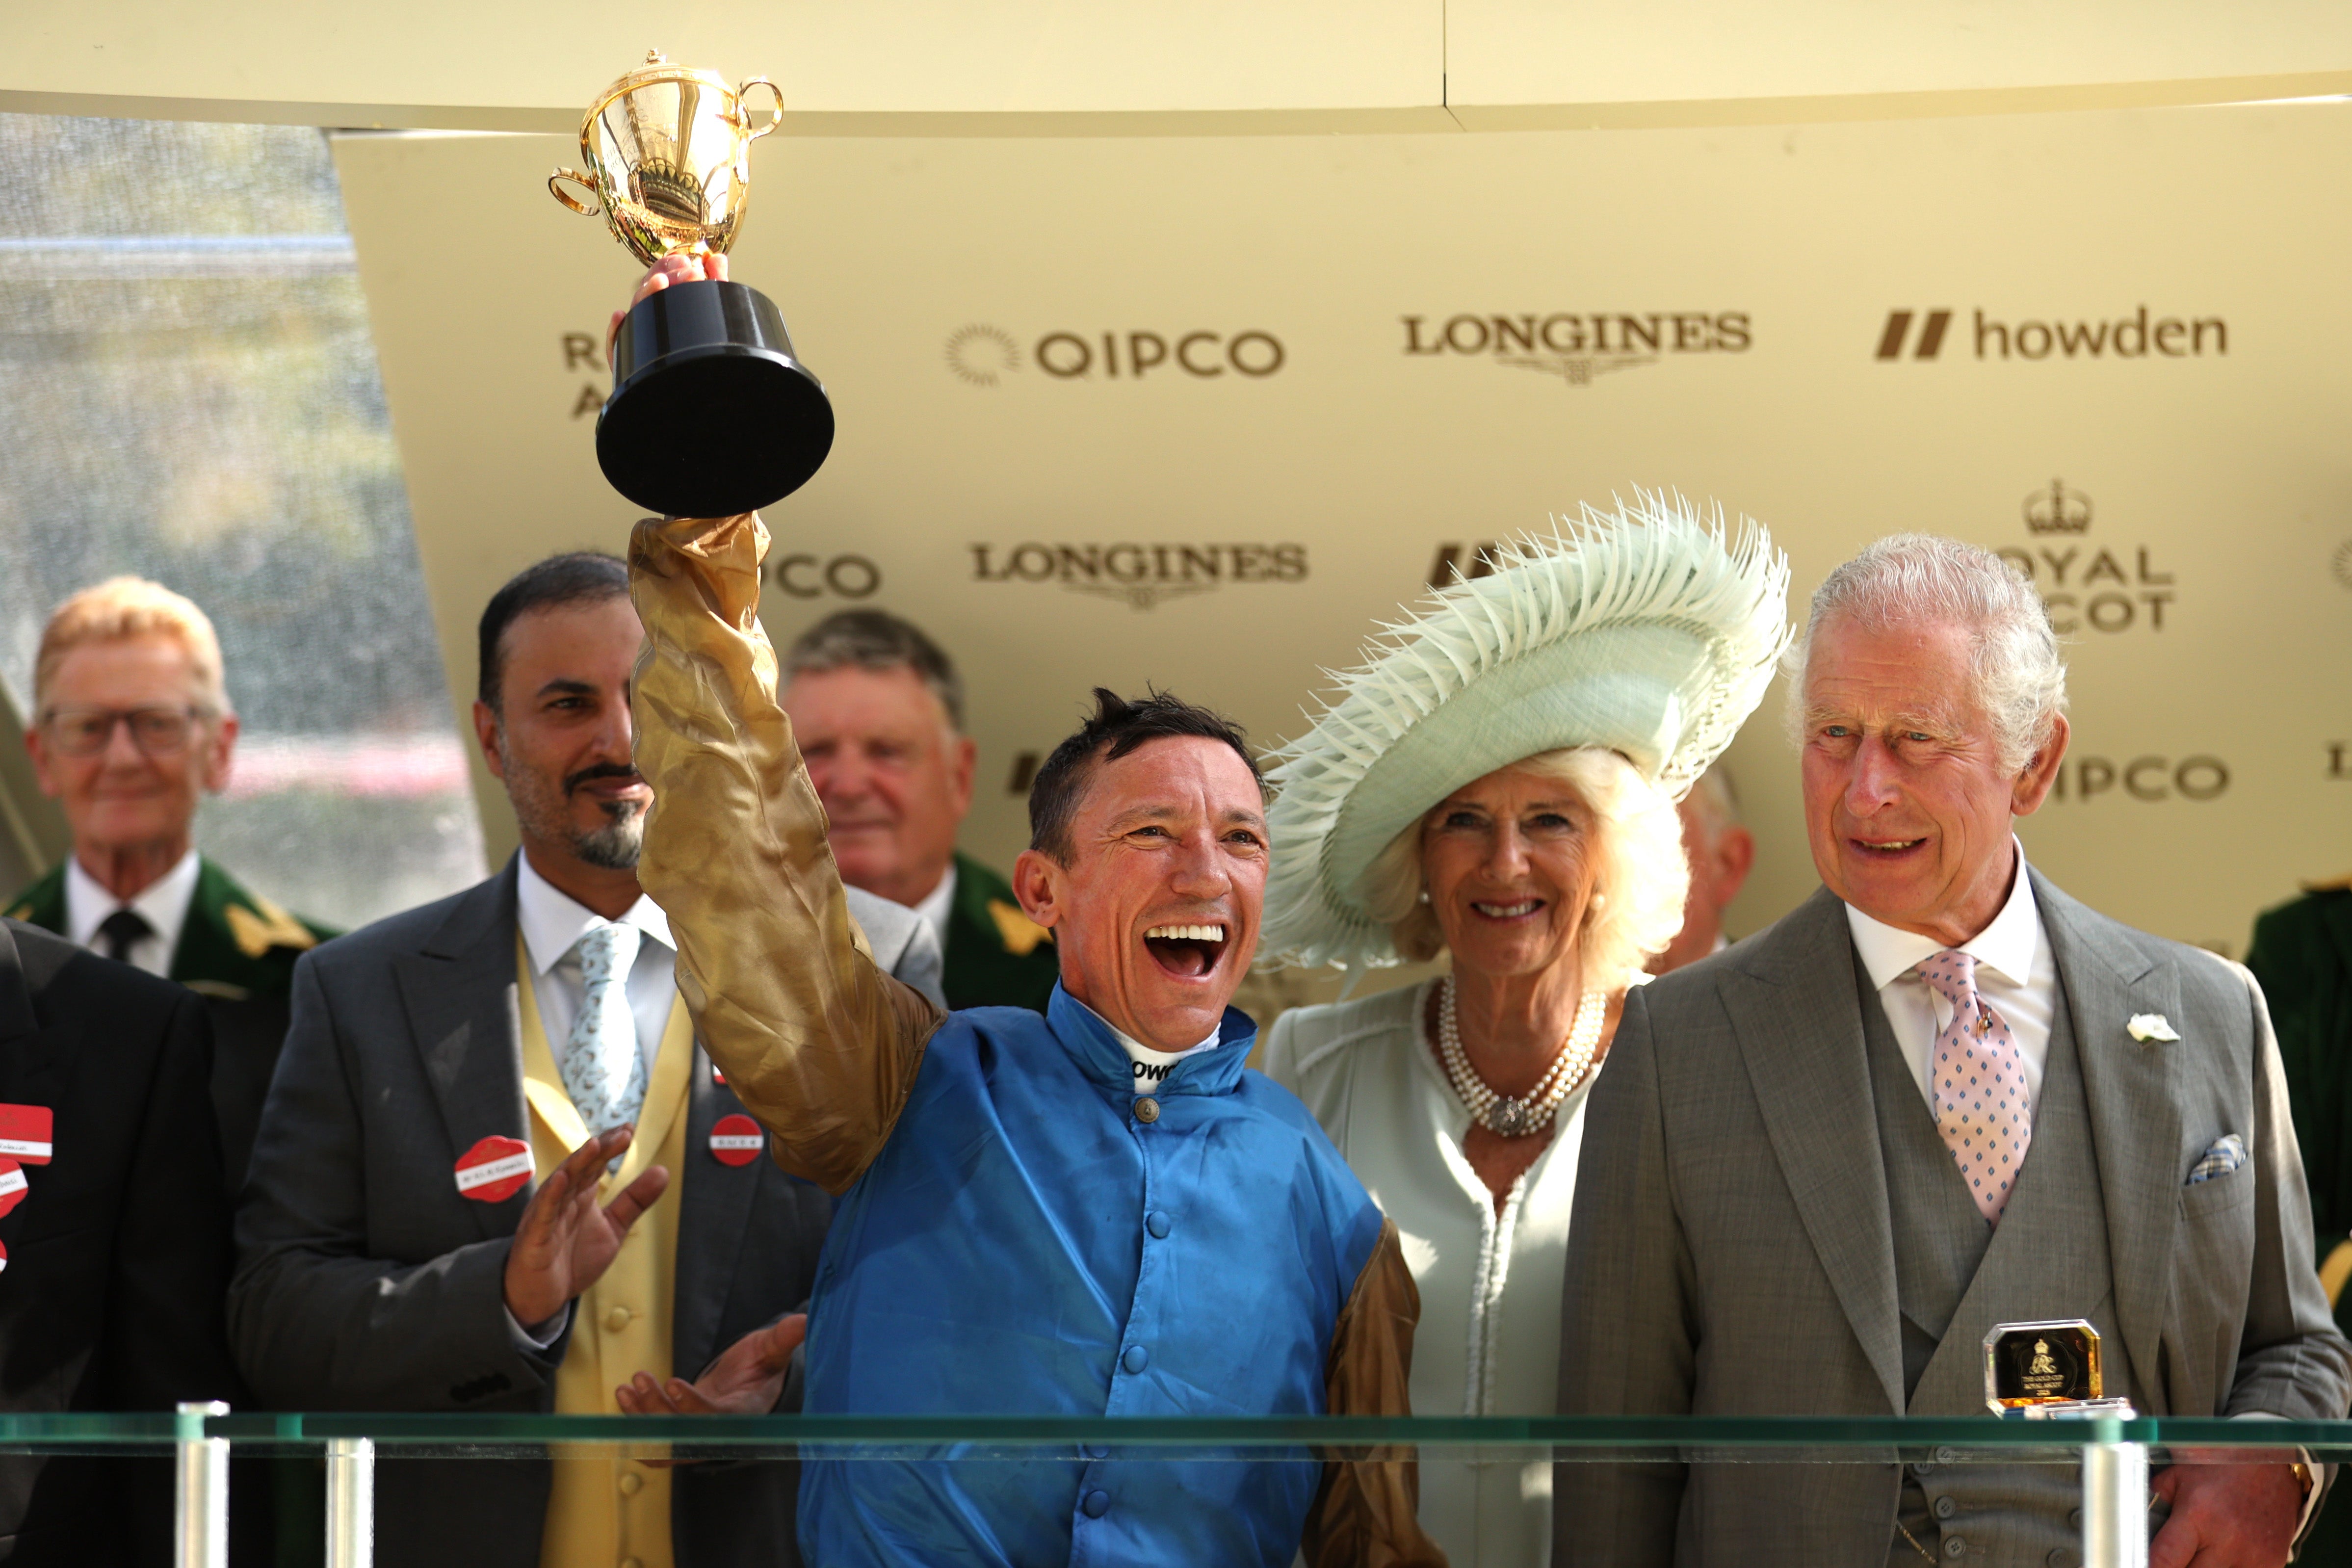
[[1156, 914], [893, 776], [121, 797], [1507, 862], [560, 738], [1907, 807]]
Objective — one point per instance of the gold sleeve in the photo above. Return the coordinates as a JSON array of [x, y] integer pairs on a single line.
[[818, 1042], [1364, 1516]]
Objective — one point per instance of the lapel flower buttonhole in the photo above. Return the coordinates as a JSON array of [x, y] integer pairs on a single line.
[[2147, 1027]]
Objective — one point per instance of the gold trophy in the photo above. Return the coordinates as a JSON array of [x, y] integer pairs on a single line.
[[2047, 1372], [711, 413]]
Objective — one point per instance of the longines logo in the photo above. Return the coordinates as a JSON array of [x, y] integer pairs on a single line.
[[2084, 585], [2124, 337], [1144, 575], [1577, 347], [983, 355], [2340, 564]]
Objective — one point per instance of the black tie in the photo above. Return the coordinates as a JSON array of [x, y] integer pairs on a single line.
[[123, 930]]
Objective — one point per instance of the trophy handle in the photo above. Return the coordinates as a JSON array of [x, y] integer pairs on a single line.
[[745, 91], [589, 208]]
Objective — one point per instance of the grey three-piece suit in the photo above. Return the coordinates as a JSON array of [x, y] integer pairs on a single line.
[[1768, 1223], [366, 1282]]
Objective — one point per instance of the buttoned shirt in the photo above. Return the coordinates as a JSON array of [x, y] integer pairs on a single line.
[[162, 903], [2016, 976], [552, 921]]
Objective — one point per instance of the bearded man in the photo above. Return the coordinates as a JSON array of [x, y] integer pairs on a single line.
[[394, 1252]]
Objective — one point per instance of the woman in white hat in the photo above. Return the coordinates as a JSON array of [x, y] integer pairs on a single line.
[[1498, 782]]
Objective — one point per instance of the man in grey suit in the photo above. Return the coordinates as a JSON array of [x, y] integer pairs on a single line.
[[1939, 1095], [394, 1253]]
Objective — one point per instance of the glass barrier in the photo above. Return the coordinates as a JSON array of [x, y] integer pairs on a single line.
[[2117, 1455]]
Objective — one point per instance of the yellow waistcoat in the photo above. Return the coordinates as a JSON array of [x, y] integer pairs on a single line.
[[608, 1511]]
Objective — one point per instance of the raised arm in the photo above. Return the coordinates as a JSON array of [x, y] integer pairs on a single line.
[[1364, 1516], [817, 1042]]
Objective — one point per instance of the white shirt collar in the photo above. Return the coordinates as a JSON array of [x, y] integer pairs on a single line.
[[935, 904], [162, 903], [2007, 946], [552, 921], [1140, 1051]]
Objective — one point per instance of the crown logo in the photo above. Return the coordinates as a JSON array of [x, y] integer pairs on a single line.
[[2058, 510]]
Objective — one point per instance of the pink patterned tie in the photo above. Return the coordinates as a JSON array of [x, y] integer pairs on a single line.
[[1979, 1078]]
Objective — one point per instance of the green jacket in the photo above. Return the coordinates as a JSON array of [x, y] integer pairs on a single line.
[[997, 956], [234, 944], [2302, 955]]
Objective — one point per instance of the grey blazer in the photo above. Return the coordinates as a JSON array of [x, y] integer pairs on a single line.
[[365, 1282], [1731, 1251]]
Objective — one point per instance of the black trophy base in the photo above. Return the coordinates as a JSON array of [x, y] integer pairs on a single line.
[[711, 413]]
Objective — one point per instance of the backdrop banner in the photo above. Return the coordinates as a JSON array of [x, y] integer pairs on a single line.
[[1196, 412]]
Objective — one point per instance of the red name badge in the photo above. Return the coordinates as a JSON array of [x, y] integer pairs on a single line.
[[12, 1188], [24, 1133], [494, 1170], [736, 1140]]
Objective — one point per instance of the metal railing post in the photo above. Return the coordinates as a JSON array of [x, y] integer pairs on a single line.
[[351, 1502], [200, 1513], [2115, 1505]]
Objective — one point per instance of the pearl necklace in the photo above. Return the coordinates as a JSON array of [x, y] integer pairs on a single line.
[[1511, 1115]]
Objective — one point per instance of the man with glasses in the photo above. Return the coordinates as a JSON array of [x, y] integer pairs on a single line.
[[131, 726]]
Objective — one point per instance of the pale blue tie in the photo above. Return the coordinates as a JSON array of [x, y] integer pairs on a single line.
[[603, 1068]]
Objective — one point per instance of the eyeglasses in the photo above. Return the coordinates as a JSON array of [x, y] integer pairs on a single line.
[[156, 731]]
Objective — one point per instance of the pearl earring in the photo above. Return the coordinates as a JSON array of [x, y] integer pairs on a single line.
[[1598, 901], [1425, 895]]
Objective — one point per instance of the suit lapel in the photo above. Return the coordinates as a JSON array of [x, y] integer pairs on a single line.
[[712, 1221], [1797, 1016], [2135, 1112], [35, 1063], [459, 991]]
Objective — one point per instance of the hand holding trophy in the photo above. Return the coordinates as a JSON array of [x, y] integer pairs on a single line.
[[712, 413]]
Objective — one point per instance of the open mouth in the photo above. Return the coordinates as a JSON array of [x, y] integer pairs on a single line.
[[1519, 910], [1188, 951], [1886, 848]]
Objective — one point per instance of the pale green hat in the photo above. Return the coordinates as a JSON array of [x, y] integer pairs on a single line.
[[1643, 629]]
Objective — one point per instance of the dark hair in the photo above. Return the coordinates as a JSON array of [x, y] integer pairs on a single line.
[[578, 577], [876, 639], [1116, 728]]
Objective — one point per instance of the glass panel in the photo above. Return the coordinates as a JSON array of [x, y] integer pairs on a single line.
[[189, 393]]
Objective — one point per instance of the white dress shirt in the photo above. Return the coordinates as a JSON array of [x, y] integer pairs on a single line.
[[163, 904], [935, 905], [552, 921], [2016, 977]]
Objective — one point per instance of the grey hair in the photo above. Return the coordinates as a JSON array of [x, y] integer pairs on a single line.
[[1714, 798], [1640, 877], [878, 640], [1919, 578]]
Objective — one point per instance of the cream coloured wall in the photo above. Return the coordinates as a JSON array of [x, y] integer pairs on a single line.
[[939, 286]]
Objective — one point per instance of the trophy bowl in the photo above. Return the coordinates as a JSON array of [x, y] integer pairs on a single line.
[[711, 412]]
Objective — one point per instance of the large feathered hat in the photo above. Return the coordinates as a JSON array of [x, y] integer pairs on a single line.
[[1644, 629]]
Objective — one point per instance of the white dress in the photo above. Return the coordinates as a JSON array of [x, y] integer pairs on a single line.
[[1488, 1342]]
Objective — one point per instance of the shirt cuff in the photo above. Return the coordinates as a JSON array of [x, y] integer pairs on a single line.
[[541, 1337]]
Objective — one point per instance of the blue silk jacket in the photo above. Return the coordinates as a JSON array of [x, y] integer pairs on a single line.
[[1026, 1244]]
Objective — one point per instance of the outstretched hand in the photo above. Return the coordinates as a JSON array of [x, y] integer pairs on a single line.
[[670, 270], [2241, 1514], [746, 1380], [565, 1242]]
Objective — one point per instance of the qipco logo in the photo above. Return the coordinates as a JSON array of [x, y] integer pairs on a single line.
[[802, 575], [2088, 780], [1205, 356]]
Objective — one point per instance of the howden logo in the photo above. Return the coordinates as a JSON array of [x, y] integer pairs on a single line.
[[2122, 337]]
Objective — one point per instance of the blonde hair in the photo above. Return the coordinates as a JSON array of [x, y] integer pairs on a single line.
[[1640, 877], [124, 607]]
